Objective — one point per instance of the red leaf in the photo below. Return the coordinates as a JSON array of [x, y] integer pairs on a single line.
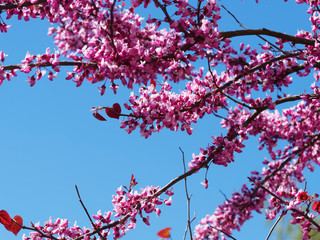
[[164, 233], [116, 107], [98, 116], [114, 111], [153, 82], [111, 113], [5, 218], [9, 227], [316, 206], [133, 181], [16, 226]]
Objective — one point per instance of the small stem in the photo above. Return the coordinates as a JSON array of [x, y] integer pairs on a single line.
[[188, 200], [274, 225], [85, 209]]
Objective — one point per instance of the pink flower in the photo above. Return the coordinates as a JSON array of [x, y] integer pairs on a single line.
[[205, 183], [32, 81]]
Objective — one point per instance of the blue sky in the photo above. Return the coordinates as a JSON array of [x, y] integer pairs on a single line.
[[49, 140]]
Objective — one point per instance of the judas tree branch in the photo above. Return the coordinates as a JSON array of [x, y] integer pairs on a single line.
[[37, 230], [288, 71], [277, 102], [8, 6], [305, 215], [164, 10], [241, 25], [194, 170], [220, 147], [267, 32], [47, 64]]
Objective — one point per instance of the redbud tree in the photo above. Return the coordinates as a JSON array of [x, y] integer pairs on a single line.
[[107, 43]]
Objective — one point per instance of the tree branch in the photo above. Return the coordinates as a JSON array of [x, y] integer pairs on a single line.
[[220, 230], [303, 214], [47, 64], [241, 25], [7, 6], [267, 32]]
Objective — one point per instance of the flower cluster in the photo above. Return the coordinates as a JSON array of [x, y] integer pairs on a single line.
[[111, 43], [60, 227], [155, 110], [232, 213], [127, 205]]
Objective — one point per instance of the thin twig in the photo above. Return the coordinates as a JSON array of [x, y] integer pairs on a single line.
[[85, 209], [164, 10], [188, 200], [218, 116], [241, 25], [234, 17], [217, 87], [198, 11], [111, 27], [274, 226], [225, 197]]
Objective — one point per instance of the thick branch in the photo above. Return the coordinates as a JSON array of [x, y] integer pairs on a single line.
[[47, 64], [267, 32]]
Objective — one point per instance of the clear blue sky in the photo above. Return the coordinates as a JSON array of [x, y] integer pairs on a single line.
[[49, 141]]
